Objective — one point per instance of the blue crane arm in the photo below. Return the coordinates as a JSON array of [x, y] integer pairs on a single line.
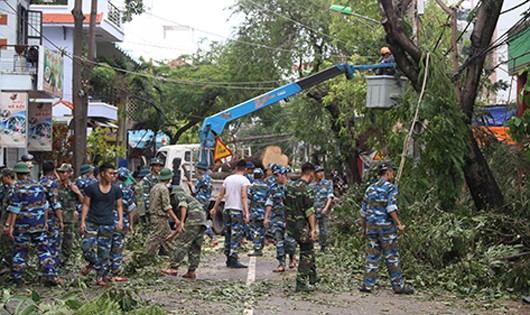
[[215, 124]]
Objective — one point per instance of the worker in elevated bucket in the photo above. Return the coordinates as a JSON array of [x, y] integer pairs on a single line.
[[386, 57]]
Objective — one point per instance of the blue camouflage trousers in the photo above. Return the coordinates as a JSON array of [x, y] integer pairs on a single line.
[[257, 232], [284, 243], [382, 238], [98, 237], [233, 222], [323, 227], [54, 240], [24, 240], [116, 253]]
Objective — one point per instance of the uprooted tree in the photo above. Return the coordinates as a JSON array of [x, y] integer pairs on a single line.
[[466, 78]]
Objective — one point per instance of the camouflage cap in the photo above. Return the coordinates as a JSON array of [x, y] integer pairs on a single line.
[[65, 167], [386, 166], [156, 161], [7, 172], [257, 172]]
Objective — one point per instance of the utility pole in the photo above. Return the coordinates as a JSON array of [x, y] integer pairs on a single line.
[[82, 70], [80, 119]]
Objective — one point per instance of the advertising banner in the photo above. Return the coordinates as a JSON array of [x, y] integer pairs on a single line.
[[40, 127], [50, 72], [13, 122]]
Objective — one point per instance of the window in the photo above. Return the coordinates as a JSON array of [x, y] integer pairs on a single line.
[[49, 2], [187, 156], [34, 28], [29, 27]]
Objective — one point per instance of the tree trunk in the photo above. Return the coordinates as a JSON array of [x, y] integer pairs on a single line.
[[479, 177], [80, 120]]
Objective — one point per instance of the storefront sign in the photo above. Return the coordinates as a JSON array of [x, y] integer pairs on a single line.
[[13, 123]]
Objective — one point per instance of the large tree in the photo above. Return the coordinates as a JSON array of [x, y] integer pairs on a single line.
[[466, 77]]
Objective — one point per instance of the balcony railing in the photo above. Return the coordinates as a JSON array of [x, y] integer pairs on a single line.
[[19, 59], [114, 14]]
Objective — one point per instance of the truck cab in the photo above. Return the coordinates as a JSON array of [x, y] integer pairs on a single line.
[[180, 158]]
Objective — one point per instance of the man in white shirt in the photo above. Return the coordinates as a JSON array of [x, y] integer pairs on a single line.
[[235, 212]]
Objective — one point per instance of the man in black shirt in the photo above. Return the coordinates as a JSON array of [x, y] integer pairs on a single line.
[[97, 222]]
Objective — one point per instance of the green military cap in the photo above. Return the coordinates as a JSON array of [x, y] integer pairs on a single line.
[[177, 190], [21, 167], [165, 174], [85, 168]]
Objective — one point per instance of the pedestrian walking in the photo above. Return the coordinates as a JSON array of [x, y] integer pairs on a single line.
[[235, 214], [97, 222], [189, 231], [379, 224], [300, 216], [323, 189]]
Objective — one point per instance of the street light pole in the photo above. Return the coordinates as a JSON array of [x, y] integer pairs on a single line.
[[349, 11]]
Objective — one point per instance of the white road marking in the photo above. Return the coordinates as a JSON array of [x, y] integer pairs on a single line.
[[251, 277]]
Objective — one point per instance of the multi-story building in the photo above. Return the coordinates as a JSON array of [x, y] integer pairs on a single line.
[[20, 53]]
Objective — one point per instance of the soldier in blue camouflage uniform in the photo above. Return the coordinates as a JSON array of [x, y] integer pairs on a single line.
[[69, 196], [148, 182], [6, 243], [270, 180], [300, 216], [202, 191], [190, 230], [55, 218], [257, 196], [84, 180], [27, 208], [118, 238], [275, 215], [379, 223], [249, 172], [323, 189]]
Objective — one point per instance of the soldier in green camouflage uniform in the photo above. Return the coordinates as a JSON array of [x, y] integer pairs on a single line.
[[6, 243], [139, 193], [69, 196], [159, 227], [191, 230], [300, 215], [147, 183]]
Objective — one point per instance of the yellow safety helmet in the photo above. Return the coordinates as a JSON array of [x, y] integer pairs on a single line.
[[385, 50]]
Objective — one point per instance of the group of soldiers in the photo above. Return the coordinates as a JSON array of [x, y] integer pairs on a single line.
[[38, 214], [43, 214], [265, 206]]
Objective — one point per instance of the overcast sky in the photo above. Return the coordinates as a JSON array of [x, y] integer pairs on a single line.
[[186, 23]]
